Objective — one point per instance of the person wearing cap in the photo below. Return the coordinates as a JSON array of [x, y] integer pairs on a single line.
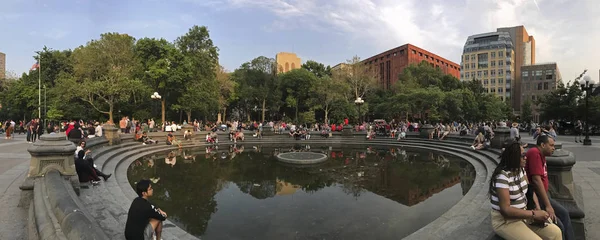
[[514, 132]]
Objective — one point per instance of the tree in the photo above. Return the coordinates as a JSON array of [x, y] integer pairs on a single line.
[[162, 69], [318, 69], [526, 114], [103, 72], [561, 103], [296, 84], [257, 84], [202, 61], [360, 79], [325, 92], [226, 89]]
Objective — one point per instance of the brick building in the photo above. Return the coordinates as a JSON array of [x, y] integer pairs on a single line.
[[538, 80], [388, 65], [287, 62]]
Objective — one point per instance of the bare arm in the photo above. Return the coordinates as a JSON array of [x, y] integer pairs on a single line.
[[510, 212], [540, 191]]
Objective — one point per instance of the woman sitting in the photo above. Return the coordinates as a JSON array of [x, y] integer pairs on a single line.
[[480, 142], [172, 141], [508, 190]]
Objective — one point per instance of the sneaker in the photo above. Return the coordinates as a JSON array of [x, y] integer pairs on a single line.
[[472, 147], [106, 177], [94, 183]]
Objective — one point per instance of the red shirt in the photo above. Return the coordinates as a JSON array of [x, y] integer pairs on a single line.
[[536, 165]]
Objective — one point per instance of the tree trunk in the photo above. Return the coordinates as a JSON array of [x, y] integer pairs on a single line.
[[110, 113], [248, 115], [163, 102], [224, 114], [264, 103], [189, 116], [180, 116], [296, 118], [326, 114]]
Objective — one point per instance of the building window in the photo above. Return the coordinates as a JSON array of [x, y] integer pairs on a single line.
[[493, 72], [467, 75], [500, 80], [493, 81], [472, 57], [402, 52], [500, 72], [482, 60], [500, 63], [479, 74], [493, 63], [546, 86], [426, 56], [420, 54], [395, 54], [549, 74], [493, 54], [485, 82], [539, 86], [473, 65], [500, 54], [500, 90], [527, 86], [414, 52], [388, 56], [485, 73], [507, 54], [525, 73], [493, 90], [466, 58]]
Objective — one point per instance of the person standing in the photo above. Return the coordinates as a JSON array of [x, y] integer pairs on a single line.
[[578, 131], [514, 132], [143, 218], [537, 172]]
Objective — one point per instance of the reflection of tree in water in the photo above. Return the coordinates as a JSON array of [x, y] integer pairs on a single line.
[[405, 177], [467, 176]]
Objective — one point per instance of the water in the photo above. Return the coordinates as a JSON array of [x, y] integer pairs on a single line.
[[361, 192]]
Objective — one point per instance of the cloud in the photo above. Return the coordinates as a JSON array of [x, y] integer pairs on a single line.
[[564, 30], [55, 34]]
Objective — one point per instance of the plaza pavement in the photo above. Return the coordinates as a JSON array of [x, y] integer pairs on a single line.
[[14, 163]]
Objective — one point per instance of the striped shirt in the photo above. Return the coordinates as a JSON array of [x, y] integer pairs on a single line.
[[517, 187]]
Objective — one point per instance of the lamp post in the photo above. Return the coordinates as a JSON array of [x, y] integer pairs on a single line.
[[359, 101], [157, 97], [587, 87]]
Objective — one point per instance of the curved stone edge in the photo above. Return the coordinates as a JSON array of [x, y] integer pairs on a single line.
[[284, 159], [430, 231], [56, 214]]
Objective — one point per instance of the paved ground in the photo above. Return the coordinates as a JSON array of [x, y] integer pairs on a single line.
[[14, 163]]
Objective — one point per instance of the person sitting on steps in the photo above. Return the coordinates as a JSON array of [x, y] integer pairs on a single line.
[[172, 141], [146, 140], [144, 219], [89, 159]]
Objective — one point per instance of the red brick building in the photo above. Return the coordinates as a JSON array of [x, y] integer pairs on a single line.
[[389, 65]]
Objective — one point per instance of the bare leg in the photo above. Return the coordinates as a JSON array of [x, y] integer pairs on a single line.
[[157, 226]]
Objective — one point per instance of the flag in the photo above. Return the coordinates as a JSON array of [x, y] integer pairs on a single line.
[[35, 66]]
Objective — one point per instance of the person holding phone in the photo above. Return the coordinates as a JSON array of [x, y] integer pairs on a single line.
[[508, 196]]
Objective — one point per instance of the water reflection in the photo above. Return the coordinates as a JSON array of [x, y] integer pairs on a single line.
[[242, 192]]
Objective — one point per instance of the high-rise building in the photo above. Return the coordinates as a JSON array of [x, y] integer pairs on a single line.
[[287, 62], [2, 65], [538, 80], [524, 47], [489, 58], [388, 65], [522, 52]]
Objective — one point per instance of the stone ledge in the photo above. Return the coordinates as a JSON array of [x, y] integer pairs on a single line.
[[56, 213]]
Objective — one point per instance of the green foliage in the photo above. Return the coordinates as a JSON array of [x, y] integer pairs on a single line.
[[561, 103], [316, 68], [297, 88], [526, 111]]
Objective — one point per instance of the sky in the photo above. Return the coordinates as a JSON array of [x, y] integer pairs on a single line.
[[327, 31]]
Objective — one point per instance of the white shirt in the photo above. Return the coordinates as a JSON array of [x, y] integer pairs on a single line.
[[98, 131]]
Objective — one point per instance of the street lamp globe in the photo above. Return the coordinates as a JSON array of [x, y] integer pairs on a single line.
[[359, 100], [155, 96]]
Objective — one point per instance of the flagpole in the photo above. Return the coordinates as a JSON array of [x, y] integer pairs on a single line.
[[40, 85]]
